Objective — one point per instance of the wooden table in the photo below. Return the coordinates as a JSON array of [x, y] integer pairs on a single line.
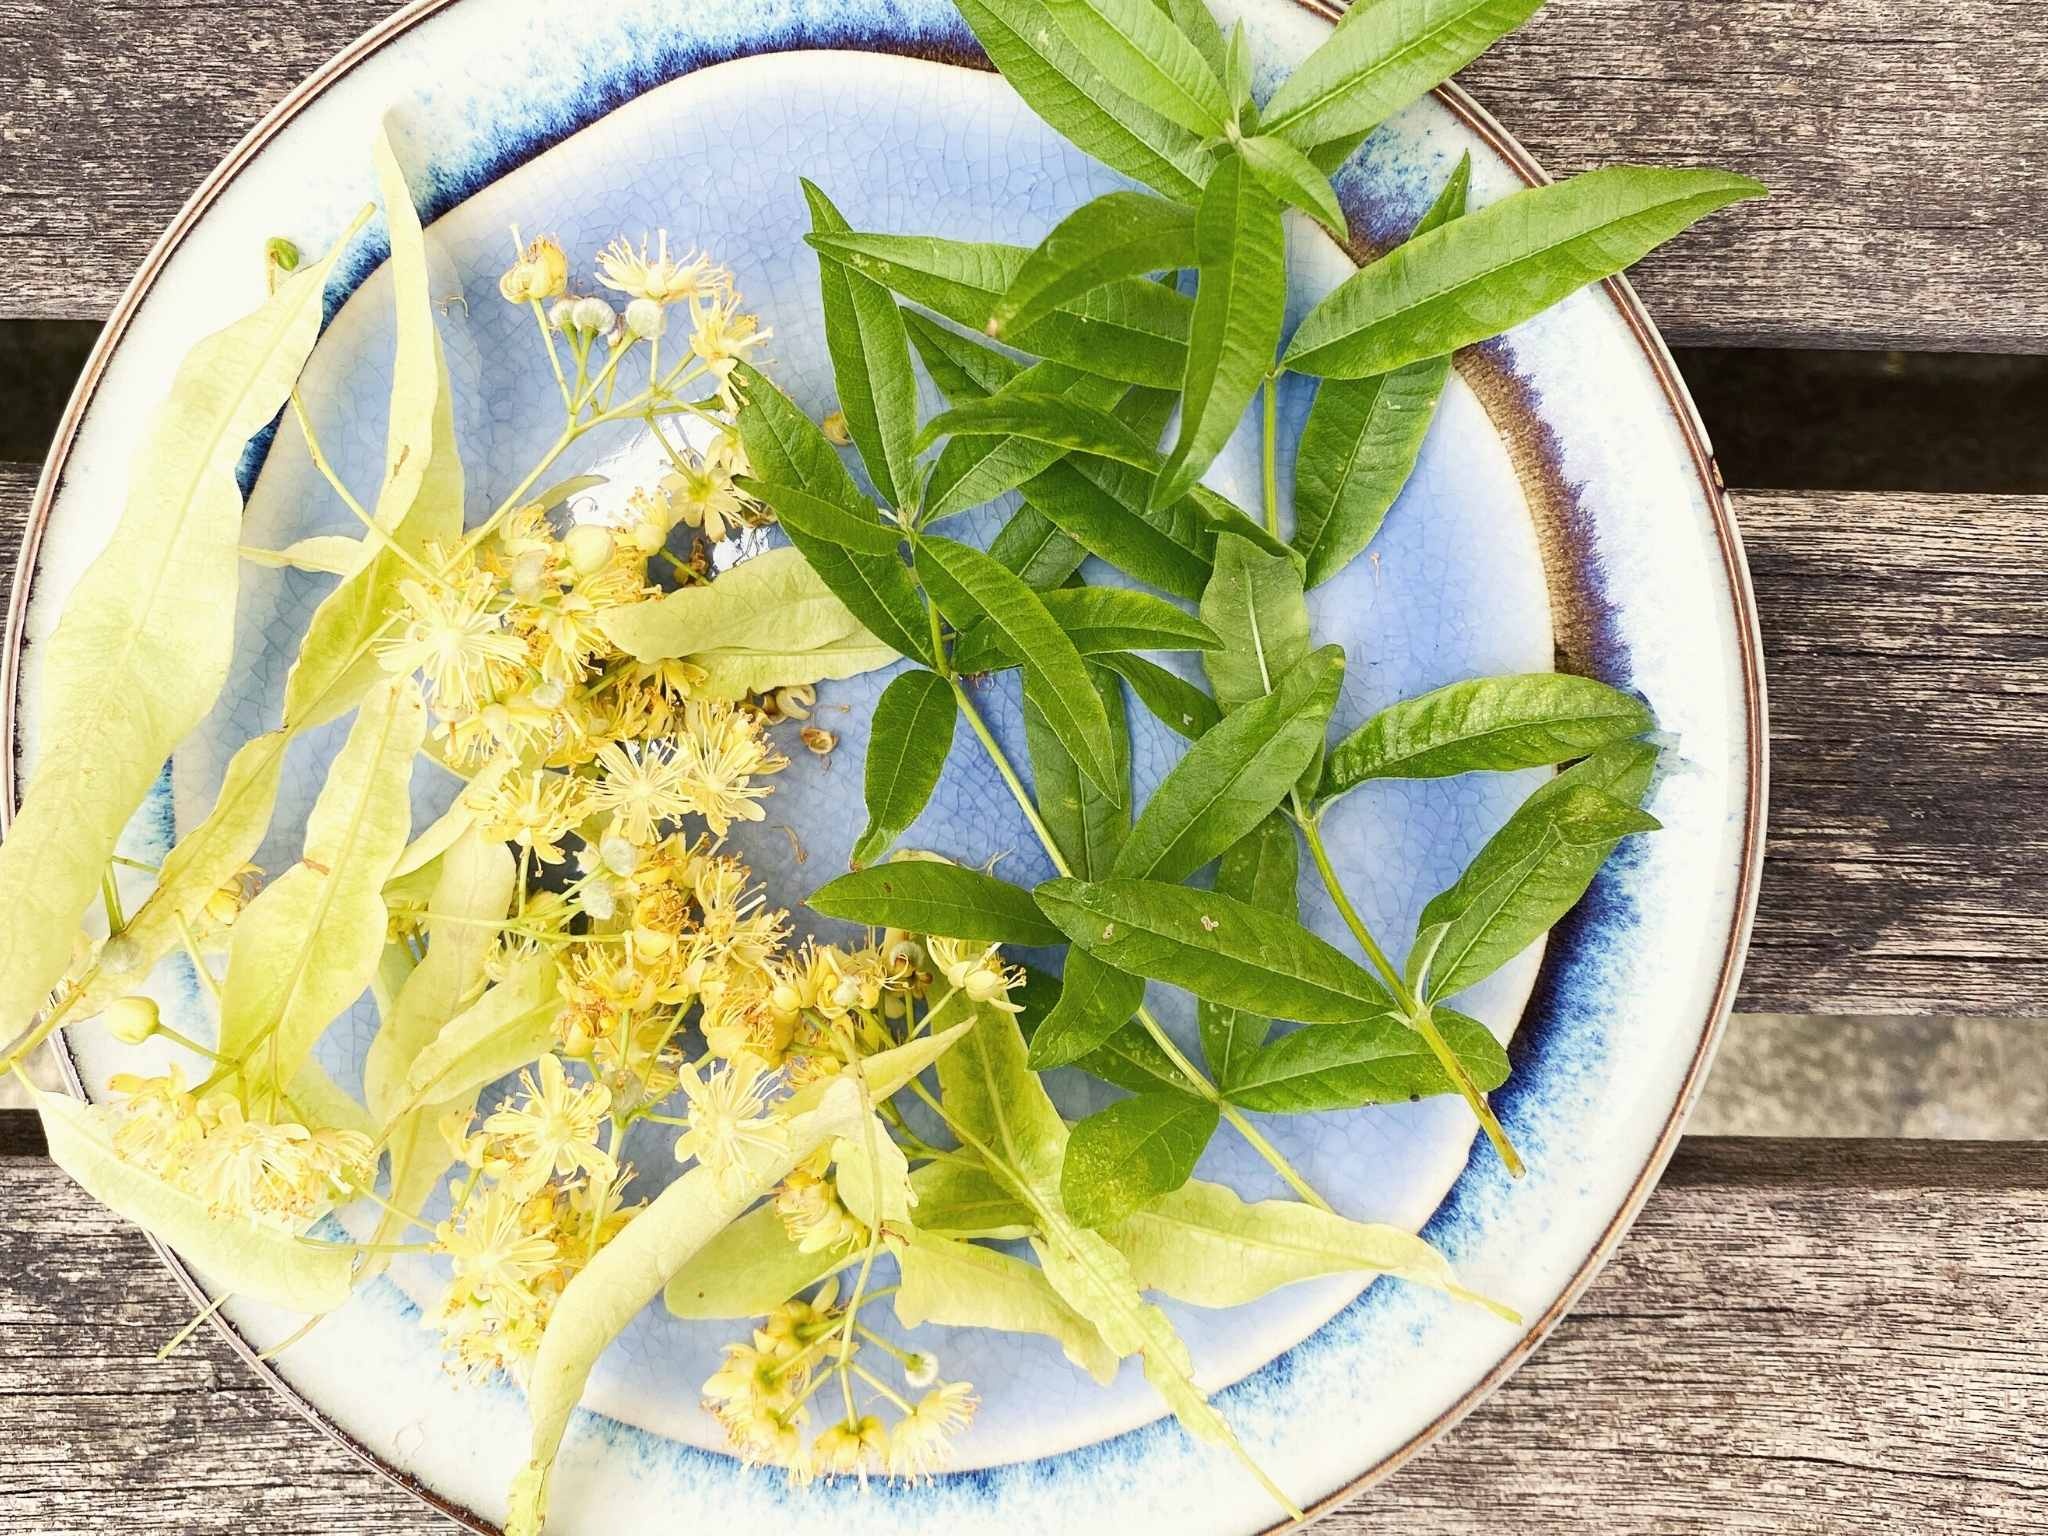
[[1799, 1335]]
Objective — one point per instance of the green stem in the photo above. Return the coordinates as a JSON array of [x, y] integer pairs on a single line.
[[1195, 1076], [1270, 453], [1416, 1011], [110, 894], [547, 337]]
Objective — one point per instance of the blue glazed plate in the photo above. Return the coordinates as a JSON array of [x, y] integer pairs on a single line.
[[1566, 512]]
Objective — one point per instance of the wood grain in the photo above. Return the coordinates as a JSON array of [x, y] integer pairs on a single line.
[[1827, 1337], [1904, 142], [1907, 868]]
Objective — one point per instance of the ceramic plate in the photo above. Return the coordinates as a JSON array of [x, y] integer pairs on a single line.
[[1565, 513]]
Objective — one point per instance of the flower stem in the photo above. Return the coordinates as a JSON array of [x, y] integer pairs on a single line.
[[1416, 1011], [110, 895]]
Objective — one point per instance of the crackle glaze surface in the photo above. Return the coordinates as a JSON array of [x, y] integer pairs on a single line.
[[1574, 477]]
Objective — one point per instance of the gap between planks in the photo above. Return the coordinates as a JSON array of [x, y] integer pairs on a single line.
[[1851, 1330], [1907, 866], [1901, 140]]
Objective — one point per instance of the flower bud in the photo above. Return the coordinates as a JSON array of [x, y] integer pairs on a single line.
[[646, 320], [649, 536], [620, 856], [283, 255], [548, 693], [529, 574], [562, 315], [548, 265], [132, 1019], [835, 429], [595, 316], [589, 548], [921, 1370]]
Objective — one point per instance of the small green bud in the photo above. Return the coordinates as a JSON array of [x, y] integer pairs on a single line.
[[132, 1019], [283, 255]]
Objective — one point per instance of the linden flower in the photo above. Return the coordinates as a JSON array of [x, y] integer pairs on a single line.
[[454, 639], [755, 1380], [555, 1131], [723, 335], [851, 1446], [283, 1174], [533, 808], [813, 1215], [659, 277], [641, 788], [491, 1246], [719, 751], [922, 1441], [703, 496], [976, 970], [729, 1119]]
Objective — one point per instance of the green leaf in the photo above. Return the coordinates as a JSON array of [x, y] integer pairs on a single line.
[[870, 364], [1214, 946], [1533, 870], [1098, 620], [1060, 84], [509, 1026], [958, 1197], [1174, 701], [1131, 330], [1101, 507], [1205, 1246], [924, 896], [962, 367], [1087, 824], [1058, 421], [960, 1285], [822, 519], [1477, 276], [748, 1270], [472, 893], [1364, 436], [910, 736], [1380, 58], [1149, 58], [1236, 775], [1289, 176], [1200, 28], [1039, 553], [307, 946], [1240, 309], [976, 467], [1358, 448], [247, 1257], [1118, 235], [1122, 1156], [769, 622], [1055, 678], [143, 643], [420, 503], [786, 447], [1096, 1001], [1528, 720], [1369, 1061], [324, 554], [1254, 603], [992, 1096], [1130, 1058], [1262, 869]]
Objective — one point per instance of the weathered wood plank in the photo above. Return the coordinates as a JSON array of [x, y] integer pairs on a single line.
[[1907, 869], [1902, 138], [1847, 1330]]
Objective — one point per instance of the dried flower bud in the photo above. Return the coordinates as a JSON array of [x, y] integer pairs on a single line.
[[620, 856], [646, 320], [835, 429], [132, 1019], [589, 548], [529, 574], [795, 701], [550, 268], [819, 740]]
